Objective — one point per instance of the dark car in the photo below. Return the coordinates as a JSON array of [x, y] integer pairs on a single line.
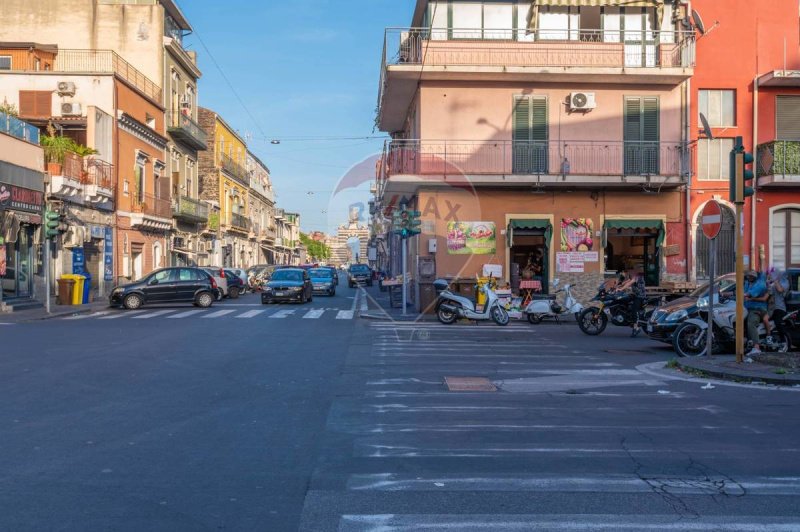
[[335, 274], [322, 281], [359, 274], [167, 285], [288, 284], [236, 284]]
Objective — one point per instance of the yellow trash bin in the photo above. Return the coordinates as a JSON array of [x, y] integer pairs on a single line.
[[480, 297], [77, 289]]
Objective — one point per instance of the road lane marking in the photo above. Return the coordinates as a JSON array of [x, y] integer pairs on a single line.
[[252, 313], [153, 314], [87, 316], [186, 314], [364, 303], [345, 315], [218, 314], [314, 314], [122, 314]]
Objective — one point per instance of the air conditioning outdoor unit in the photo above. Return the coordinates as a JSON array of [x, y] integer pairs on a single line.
[[70, 109], [66, 88], [582, 101]]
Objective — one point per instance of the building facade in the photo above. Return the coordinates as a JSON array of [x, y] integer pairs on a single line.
[[262, 213]]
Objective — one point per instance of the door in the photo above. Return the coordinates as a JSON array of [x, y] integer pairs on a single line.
[[726, 247], [161, 286], [188, 283], [137, 259], [18, 281], [640, 40], [641, 133], [529, 135]]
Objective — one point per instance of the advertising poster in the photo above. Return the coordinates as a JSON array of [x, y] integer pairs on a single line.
[[108, 256], [78, 261], [569, 262], [471, 238], [576, 234]]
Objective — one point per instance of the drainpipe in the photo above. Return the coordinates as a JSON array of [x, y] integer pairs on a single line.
[[755, 178], [687, 98]]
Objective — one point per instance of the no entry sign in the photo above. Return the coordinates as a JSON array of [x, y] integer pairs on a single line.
[[711, 219]]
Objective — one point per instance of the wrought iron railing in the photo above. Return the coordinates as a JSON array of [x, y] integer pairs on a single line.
[[18, 128], [234, 169], [778, 158], [153, 206], [240, 221], [507, 157], [99, 173], [190, 208], [72, 167], [183, 125]]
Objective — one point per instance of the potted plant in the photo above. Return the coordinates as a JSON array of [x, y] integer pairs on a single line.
[[55, 149]]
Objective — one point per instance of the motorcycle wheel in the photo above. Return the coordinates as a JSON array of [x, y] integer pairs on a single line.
[[689, 340], [592, 321], [783, 345], [446, 317], [534, 318], [500, 316]]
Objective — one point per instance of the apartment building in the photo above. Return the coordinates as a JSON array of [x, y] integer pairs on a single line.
[[546, 132], [262, 213]]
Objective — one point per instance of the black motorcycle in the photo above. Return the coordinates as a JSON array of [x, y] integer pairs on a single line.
[[618, 307]]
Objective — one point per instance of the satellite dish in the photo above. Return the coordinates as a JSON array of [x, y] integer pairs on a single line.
[[698, 22], [706, 127]]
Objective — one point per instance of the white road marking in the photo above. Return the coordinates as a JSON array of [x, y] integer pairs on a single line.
[[252, 314], [314, 314], [364, 304], [153, 314], [186, 314], [218, 314], [87, 316], [282, 314], [345, 315], [122, 314]]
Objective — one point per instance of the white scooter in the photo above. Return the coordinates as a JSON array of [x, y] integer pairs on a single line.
[[542, 307], [451, 307]]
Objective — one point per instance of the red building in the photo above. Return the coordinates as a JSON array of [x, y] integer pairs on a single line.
[[747, 83]]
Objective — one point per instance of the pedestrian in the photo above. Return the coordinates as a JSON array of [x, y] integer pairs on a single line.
[[638, 291], [755, 301], [778, 287]]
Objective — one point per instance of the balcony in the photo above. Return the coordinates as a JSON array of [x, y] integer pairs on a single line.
[[183, 129], [565, 164], [240, 222], [778, 163], [98, 182], [268, 234], [190, 210], [17, 128], [84, 181], [151, 213], [412, 55], [235, 170]]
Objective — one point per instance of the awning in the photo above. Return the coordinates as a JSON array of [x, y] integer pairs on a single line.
[[632, 227], [533, 14], [543, 227]]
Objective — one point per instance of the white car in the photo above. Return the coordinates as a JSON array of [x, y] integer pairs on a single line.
[[241, 274], [219, 277]]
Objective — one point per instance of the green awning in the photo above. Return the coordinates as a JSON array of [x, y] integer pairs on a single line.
[[647, 226], [530, 225], [535, 4]]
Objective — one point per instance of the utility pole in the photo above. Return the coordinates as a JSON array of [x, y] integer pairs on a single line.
[[740, 175]]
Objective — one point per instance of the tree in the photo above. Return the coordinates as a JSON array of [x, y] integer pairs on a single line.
[[317, 251]]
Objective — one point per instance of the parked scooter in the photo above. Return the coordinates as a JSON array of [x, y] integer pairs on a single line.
[[689, 340], [451, 307], [547, 306]]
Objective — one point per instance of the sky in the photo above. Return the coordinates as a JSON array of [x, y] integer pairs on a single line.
[[302, 68]]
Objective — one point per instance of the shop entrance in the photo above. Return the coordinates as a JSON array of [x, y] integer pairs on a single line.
[[18, 281], [634, 246], [529, 253]]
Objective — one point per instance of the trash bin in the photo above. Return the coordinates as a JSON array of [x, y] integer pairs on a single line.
[[65, 288], [87, 288], [77, 289]]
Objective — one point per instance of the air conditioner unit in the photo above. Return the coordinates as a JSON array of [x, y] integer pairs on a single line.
[[66, 88], [70, 109], [582, 101]]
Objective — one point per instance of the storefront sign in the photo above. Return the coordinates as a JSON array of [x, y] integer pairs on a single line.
[[97, 231], [590, 256], [576, 234], [672, 250], [21, 199], [108, 256], [494, 270], [471, 238], [78, 261], [570, 262]]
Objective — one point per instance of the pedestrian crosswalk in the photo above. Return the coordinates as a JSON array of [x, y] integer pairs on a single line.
[[234, 313]]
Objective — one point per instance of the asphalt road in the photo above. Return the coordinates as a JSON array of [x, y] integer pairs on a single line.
[[285, 417]]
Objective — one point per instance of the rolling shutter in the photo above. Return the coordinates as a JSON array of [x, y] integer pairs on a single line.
[[36, 104], [787, 118]]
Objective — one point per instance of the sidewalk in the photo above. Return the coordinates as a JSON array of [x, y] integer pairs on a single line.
[[58, 311], [380, 309], [726, 367]]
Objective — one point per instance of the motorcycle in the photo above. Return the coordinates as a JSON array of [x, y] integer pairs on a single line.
[[451, 307], [616, 307], [547, 306], [690, 339]]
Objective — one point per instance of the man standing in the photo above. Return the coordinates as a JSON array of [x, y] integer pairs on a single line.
[[755, 301]]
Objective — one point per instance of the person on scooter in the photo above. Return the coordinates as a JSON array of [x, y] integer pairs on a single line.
[[755, 301]]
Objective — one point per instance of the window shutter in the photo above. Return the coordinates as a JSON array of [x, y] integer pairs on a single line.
[[522, 119], [650, 131], [539, 119], [27, 103], [44, 104], [788, 117], [633, 120]]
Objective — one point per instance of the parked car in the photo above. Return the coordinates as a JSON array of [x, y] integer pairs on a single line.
[[167, 285], [359, 274], [322, 281], [241, 273], [288, 284], [222, 282], [235, 283]]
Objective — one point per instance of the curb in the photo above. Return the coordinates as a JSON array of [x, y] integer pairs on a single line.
[[736, 376], [658, 369], [383, 316]]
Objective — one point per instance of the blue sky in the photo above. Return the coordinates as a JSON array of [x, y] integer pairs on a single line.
[[303, 68]]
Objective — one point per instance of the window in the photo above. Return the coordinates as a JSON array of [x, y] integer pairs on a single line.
[[641, 134], [718, 106], [5, 62], [558, 23], [157, 255], [786, 238], [150, 121], [186, 274], [140, 178], [36, 104], [787, 117], [713, 161], [530, 134]]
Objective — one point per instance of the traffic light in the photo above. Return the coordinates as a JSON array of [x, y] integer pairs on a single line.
[[406, 223], [414, 222], [52, 222], [740, 175]]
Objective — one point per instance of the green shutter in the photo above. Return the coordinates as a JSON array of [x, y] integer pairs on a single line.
[[650, 120], [522, 119], [641, 134], [633, 120], [539, 119]]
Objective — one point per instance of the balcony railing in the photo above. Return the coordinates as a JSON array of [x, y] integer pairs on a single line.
[[543, 48], [779, 158], [72, 167], [558, 158], [153, 206], [234, 169], [240, 221], [190, 209], [98, 173], [183, 128], [17, 128]]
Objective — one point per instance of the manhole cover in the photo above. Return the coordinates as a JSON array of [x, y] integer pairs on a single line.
[[469, 384]]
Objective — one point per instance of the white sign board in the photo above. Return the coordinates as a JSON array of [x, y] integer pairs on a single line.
[[495, 270], [569, 262]]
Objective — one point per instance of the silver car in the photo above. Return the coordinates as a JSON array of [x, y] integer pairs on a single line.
[[219, 276]]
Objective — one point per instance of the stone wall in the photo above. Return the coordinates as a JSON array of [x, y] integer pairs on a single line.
[[207, 173]]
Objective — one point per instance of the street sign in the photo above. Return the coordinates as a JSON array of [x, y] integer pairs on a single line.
[[711, 219]]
